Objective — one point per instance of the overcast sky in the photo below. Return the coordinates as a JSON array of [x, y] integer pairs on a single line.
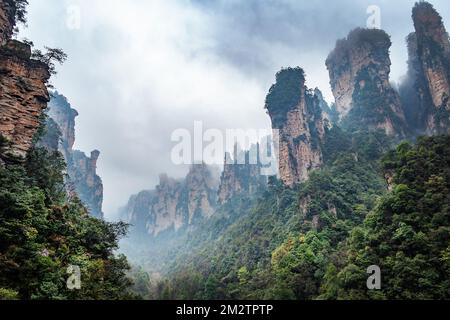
[[139, 69]]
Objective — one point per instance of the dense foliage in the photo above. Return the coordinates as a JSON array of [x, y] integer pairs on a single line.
[[408, 234], [317, 241], [43, 232], [285, 94], [281, 244]]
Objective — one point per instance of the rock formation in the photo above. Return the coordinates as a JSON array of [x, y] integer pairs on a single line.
[[241, 178], [137, 211], [359, 69], [23, 95], [23, 85], [201, 189], [296, 113], [426, 90], [60, 111], [174, 204], [82, 180]]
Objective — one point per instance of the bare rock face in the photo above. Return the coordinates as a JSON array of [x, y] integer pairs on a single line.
[[174, 204], [82, 180], [165, 212], [23, 86], [426, 91], [240, 178], [137, 210], [296, 112], [359, 69], [60, 111], [414, 92], [201, 188], [23, 95]]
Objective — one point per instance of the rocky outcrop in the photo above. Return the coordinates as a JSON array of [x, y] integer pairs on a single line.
[[296, 114], [241, 178], [62, 113], [23, 86], [23, 95], [137, 211], [426, 90], [201, 188], [174, 204], [82, 180], [359, 69], [414, 94]]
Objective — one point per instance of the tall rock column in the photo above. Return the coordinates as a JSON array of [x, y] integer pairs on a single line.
[[296, 113], [430, 54], [359, 69], [23, 86], [82, 179], [241, 178]]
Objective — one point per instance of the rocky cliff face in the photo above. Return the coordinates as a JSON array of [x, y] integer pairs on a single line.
[[414, 93], [359, 69], [201, 189], [296, 113], [137, 211], [23, 86], [426, 91], [174, 204], [83, 180], [241, 178], [23, 95], [61, 112]]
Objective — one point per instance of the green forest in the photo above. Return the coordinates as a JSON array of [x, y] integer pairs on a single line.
[[375, 190], [272, 247], [43, 231]]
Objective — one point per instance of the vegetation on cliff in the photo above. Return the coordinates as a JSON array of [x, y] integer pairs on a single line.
[[276, 249], [285, 95], [280, 244], [43, 232]]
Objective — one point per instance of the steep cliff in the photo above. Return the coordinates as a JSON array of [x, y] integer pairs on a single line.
[[296, 113], [359, 69], [82, 179], [174, 204], [240, 178], [23, 95], [61, 112], [201, 189], [414, 93], [137, 211], [23, 84], [426, 90]]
